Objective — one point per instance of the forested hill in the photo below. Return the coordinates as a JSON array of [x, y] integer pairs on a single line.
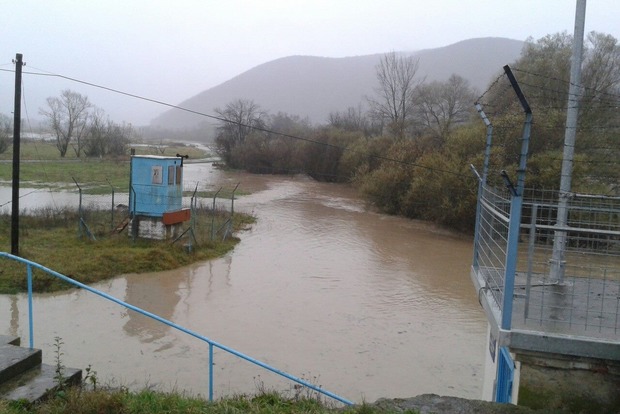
[[312, 87]]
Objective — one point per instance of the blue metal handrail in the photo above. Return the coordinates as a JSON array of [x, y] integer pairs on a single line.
[[29, 265]]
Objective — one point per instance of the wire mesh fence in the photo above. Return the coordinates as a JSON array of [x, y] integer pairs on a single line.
[[492, 239], [99, 214], [583, 297]]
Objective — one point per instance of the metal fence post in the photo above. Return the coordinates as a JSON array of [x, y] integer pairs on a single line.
[[213, 215], [516, 204], [210, 371], [112, 209], [232, 201], [80, 231], [30, 317], [132, 213], [83, 228], [530, 261], [192, 218], [482, 180]]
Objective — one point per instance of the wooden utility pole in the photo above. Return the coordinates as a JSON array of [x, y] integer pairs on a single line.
[[16, 152]]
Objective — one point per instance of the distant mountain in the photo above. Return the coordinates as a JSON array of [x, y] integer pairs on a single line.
[[312, 87]]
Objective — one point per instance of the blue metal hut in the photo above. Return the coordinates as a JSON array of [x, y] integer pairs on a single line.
[[156, 196]]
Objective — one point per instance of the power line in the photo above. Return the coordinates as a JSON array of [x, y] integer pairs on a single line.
[[221, 119], [312, 141]]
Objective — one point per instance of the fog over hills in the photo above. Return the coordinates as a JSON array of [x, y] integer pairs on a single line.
[[312, 87]]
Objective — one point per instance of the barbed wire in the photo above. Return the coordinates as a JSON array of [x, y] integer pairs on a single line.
[[598, 157], [567, 82], [491, 86]]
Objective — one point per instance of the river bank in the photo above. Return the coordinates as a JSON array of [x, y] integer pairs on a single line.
[[83, 402]]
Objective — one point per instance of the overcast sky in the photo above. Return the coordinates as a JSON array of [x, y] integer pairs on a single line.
[[171, 50]]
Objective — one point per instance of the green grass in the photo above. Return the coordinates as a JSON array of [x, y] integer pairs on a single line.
[[52, 239], [150, 402]]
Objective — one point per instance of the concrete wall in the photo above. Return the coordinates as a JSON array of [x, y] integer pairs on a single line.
[[549, 381], [154, 228]]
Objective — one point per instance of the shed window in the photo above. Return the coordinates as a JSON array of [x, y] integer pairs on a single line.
[[179, 176], [171, 175], [156, 174]]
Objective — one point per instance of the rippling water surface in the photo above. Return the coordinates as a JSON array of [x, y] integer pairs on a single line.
[[363, 304]]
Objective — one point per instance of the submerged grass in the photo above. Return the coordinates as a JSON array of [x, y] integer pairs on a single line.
[[54, 242], [37, 150], [42, 166]]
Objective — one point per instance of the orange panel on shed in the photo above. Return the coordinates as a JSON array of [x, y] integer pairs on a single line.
[[174, 217]]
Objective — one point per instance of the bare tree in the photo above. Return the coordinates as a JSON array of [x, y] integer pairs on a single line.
[[119, 136], [6, 134], [238, 119], [395, 94], [95, 139], [354, 120], [601, 78], [105, 137], [289, 124], [441, 106], [68, 115], [544, 72]]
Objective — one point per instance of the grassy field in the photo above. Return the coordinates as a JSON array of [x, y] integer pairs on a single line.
[[41, 166]]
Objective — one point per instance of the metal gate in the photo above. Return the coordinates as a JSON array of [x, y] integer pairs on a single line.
[[505, 376]]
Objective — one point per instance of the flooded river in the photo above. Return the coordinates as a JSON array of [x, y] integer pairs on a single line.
[[364, 305]]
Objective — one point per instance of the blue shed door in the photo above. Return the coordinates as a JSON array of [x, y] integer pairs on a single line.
[[505, 376]]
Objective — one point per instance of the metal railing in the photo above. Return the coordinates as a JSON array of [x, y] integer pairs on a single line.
[[492, 240], [586, 301], [212, 344]]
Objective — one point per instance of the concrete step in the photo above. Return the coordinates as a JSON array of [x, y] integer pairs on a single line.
[[23, 376], [38, 383], [9, 340], [14, 360]]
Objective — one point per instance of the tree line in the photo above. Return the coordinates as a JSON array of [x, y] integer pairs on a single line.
[[409, 149], [77, 125]]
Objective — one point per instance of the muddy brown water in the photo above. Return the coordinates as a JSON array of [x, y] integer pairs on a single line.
[[362, 304]]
